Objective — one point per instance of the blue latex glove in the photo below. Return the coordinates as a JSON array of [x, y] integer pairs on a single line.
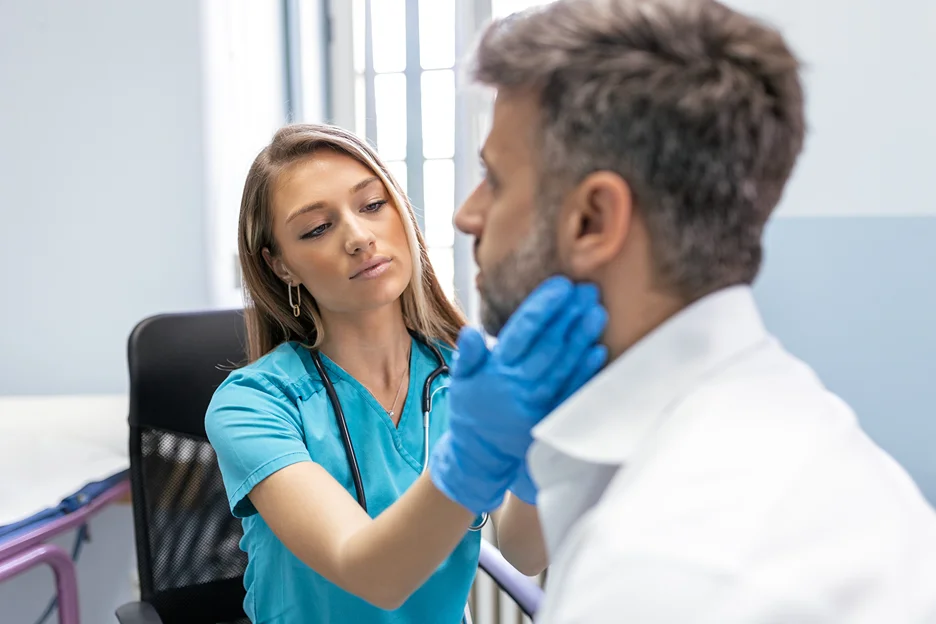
[[546, 350], [523, 486]]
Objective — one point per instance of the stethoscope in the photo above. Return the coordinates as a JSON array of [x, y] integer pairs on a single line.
[[427, 396]]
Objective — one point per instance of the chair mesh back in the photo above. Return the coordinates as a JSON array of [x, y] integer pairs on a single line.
[[188, 552], [189, 557], [193, 538]]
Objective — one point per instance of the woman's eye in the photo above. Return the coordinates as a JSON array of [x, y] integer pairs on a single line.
[[375, 206], [315, 233]]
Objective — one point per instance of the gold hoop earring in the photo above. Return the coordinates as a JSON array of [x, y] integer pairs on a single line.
[[295, 306]]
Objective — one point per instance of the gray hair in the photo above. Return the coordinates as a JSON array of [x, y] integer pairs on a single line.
[[698, 107]]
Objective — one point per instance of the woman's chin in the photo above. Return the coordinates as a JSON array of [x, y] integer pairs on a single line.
[[375, 294]]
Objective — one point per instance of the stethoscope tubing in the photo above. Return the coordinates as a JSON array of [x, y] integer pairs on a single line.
[[426, 400]]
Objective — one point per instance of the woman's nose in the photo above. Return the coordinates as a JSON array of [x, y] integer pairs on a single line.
[[360, 237]]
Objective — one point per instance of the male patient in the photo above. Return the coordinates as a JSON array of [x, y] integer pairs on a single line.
[[706, 475]]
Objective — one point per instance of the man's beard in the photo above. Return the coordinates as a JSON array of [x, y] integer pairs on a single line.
[[505, 286]]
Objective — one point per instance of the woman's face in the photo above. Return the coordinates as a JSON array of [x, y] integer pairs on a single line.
[[339, 235]]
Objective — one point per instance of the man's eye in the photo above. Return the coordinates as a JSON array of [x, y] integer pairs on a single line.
[[489, 178]]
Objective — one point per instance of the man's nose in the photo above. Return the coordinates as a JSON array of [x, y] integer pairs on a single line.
[[469, 218]]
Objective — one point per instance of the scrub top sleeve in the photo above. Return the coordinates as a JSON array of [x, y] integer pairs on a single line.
[[255, 430]]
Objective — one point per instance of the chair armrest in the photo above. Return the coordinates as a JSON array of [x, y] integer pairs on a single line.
[[138, 613], [527, 594]]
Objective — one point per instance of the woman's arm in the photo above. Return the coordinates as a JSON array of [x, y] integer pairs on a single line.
[[520, 536], [382, 560]]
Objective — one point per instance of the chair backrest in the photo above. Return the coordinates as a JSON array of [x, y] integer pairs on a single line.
[[187, 542]]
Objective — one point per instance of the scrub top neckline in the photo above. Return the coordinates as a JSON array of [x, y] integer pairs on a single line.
[[340, 373]]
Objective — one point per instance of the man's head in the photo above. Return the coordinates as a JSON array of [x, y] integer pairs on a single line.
[[640, 144]]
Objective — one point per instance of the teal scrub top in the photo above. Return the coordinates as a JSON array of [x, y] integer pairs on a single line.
[[273, 413]]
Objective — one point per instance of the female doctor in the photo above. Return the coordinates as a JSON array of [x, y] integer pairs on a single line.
[[320, 438]]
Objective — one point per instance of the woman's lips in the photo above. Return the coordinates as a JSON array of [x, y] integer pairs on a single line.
[[373, 269]]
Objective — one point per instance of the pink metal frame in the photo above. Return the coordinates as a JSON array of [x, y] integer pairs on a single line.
[[30, 549]]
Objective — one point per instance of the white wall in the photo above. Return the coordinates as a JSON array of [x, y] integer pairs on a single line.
[[101, 184], [126, 128], [101, 195], [848, 281], [868, 72]]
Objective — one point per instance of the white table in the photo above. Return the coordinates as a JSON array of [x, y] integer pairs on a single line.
[[52, 446]]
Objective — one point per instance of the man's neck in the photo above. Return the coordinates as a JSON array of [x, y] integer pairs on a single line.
[[632, 315], [373, 346]]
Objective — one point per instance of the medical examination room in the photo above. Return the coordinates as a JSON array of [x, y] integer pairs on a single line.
[[468, 311]]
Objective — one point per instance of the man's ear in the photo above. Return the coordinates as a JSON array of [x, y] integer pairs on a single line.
[[594, 224], [277, 265]]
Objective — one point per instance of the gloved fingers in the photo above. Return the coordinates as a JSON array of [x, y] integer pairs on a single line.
[[584, 333], [580, 337], [499, 422], [549, 353], [471, 355], [526, 324], [571, 328], [588, 366], [497, 427]]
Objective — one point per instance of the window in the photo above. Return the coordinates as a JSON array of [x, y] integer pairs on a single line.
[[244, 87], [404, 93], [502, 8], [392, 79]]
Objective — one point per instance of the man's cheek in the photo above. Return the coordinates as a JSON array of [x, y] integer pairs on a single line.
[[484, 251], [497, 260], [500, 238]]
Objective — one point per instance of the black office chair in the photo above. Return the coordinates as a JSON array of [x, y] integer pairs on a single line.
[[189, 560], [187, 542]]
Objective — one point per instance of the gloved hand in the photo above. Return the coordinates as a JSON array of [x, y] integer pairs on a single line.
[[546, 350], [523, 486]]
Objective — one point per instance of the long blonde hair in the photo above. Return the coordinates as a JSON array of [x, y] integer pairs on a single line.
[[269, 317]]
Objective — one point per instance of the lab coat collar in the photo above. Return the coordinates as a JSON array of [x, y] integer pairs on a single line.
[[606, 420]]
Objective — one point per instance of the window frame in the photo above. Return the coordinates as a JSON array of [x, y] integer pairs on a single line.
[[470, 108]]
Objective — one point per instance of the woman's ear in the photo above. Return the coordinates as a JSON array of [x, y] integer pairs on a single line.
[[595, 223], [277, 265]]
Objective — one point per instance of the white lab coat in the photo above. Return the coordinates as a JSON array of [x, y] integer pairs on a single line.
[[707, 476]]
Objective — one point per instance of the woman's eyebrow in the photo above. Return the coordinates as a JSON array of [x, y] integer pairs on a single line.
[[319, 204], [364, 183]]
